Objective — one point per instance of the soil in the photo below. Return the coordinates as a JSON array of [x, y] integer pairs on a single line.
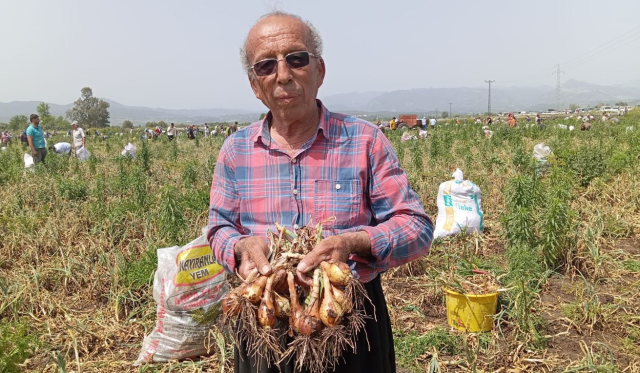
[[416, 305]]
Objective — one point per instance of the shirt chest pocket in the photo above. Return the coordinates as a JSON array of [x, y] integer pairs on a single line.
[[339, 199]]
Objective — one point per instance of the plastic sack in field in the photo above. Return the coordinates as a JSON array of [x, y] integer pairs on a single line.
[[541, 152], [83, 154], [188, 287], [129, 151], [459, 207], [28, 161]]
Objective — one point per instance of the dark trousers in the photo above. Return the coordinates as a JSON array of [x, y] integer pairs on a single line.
[[379, 358], [41, 154]]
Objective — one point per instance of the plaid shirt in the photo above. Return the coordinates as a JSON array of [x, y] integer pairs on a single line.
[[348, 170]]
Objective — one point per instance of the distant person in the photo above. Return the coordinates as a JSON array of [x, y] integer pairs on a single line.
[[433, 122], [61, 148], [511, 120], [158, 131], [5, 138], [206, 130], [489, 120], [23, 137], [191, 132], [604, 117], [35, 137], [538, 120], [393, 124], [171, 132], [424, 122], [235, 126], [78, 138], [527, 118]]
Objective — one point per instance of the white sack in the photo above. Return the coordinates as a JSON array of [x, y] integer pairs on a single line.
[[459, 207], [83, 154], [28, 161], [129, 151], [187, 287], [541, 152]]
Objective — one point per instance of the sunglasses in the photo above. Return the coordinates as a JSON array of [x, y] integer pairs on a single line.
[[294, 60]]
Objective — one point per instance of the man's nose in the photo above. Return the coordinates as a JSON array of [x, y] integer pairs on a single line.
[[284, 72]]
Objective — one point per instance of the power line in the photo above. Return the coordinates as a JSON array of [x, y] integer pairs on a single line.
[[603, 52], [589, 55], [604, 45], [489, 104]]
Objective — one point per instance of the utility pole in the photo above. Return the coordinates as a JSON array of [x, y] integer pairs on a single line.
[[450, 111], [489, 105], [558, 72]]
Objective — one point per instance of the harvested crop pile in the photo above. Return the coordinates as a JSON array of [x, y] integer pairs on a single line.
[[312, 325], [480, 282]]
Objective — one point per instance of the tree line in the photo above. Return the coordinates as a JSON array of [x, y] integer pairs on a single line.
[[89, 111]]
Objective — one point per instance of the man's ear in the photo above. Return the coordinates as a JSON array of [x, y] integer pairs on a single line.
[[322, 69], [254, 86]]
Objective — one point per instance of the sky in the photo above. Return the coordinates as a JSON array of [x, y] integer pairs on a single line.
[[185, 54]]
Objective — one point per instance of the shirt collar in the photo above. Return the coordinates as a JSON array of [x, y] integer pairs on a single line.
[[262, 134]]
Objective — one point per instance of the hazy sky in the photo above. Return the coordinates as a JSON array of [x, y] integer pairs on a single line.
[[184, 54]]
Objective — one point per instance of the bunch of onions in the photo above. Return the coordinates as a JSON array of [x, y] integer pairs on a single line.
[[260, 316]]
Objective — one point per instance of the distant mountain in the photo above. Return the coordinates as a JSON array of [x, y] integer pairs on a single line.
[[474, 99], [419, 101], [139, 115]]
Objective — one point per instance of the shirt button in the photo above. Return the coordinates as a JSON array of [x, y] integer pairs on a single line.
[[295, 192], [296, 226], [294, 160], [338, 186]]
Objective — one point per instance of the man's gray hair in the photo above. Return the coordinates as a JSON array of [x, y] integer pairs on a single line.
[[314, 42]]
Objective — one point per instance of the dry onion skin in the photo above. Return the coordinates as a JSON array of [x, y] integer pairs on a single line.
[[314, 324]]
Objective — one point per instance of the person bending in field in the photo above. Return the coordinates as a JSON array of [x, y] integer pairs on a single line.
[[303, 164], [35, 138], [61, 148]]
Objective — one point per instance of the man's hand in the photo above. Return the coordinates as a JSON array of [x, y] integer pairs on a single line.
[[334, 249], [34, 152], [252, 252]]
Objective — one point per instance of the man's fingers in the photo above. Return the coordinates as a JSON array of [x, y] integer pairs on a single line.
[[303, 279], [309, 262], [260, 260]]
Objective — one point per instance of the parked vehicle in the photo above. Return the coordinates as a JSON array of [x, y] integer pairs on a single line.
[[407, 121]]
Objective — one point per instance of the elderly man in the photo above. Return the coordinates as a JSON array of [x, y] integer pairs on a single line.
[[79, 139], [302, 164]]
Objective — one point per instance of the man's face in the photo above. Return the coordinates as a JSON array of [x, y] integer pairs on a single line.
[[288, 93], [35, 121], [75, 127]]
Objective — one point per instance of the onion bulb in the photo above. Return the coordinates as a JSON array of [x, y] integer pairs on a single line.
[[296, 310], [340, 298], [330, 310], [231, 305], [253, 291], [310, 322], [283, 306], [266, 310], [339, 274]]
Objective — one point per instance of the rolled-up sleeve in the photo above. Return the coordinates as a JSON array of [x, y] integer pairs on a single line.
[[403, 231], [224, 210]]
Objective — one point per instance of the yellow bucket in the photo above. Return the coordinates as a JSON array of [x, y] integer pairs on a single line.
[[471, 312]]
